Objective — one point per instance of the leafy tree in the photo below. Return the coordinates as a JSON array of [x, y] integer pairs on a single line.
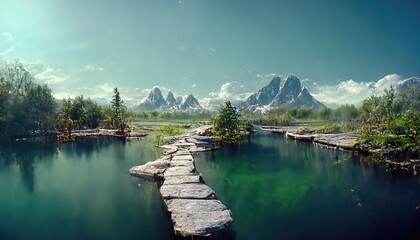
[[226, 123], [94, 114], [24, 105], [78, 112], [64, 121], [119, 111]]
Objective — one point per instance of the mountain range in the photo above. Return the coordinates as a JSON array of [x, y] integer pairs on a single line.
[[287, 93], [156, 101], [280, 92]]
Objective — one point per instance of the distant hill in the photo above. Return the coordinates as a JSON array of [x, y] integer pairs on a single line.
[[156, 102], [285, 93]]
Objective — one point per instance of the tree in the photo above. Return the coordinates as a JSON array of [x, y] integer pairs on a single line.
[[392, 120], [94, 114], [325, 114], [119, 111], [64, 121], [24, 105], [226, 123]]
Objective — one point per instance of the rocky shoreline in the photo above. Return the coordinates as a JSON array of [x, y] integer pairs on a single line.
[[193, 206], [341, 141]]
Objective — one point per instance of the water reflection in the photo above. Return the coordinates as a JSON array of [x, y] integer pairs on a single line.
[[23, 155]]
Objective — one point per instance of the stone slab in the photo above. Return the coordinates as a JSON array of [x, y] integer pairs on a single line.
[[178, 171], [201, 223], [189, 190], [182, 157], [170, 180]]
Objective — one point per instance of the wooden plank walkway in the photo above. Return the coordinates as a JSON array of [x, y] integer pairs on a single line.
[[193, 206]]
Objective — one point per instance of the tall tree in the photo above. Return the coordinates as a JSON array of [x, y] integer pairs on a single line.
[[119, 111], [64, 121]]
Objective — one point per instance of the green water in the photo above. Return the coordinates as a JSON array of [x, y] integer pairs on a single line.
[[79, 190], [283, 189], [276, 189]]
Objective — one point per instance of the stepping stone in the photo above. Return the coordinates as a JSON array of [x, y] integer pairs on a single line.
[[169, 180], [181, 163], [201, 223], [178, 171], [182, 157], [188, 190]]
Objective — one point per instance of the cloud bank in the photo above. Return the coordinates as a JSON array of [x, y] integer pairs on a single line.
[[350, 91]]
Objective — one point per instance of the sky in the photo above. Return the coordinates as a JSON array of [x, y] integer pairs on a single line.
[[210, 48]]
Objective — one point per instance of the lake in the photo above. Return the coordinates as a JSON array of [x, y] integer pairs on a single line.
[[276, 189]]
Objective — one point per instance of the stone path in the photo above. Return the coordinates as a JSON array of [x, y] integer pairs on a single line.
[[193, 206]]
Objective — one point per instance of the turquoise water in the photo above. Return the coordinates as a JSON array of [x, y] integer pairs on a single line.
[[276, 189], [79, 190], [283, 189]]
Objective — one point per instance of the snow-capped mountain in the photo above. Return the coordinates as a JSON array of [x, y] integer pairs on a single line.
[[408, 84], [283, 93], [190, 103], [265, 95], [153, 101], [156, 101]]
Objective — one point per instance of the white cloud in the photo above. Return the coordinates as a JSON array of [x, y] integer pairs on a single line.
[[350, 91], [7, 51], [91, 68], [8, 36], [11, 42], [46, 74], [212, 50], [194, 85]]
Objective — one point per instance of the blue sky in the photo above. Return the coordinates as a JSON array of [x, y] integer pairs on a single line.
[[208, 46]]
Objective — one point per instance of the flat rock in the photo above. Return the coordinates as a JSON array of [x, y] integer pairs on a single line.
[[190, 191], [181, 152], [182, 157], [170, 180], [194, 205], [201, 223], [151, 169], [182, 163], [178, 171], [343, 140], [184, 145]]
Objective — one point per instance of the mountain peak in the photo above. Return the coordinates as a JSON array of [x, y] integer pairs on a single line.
[[289, 90], [266, 94], [170, 99], [190, 103]]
